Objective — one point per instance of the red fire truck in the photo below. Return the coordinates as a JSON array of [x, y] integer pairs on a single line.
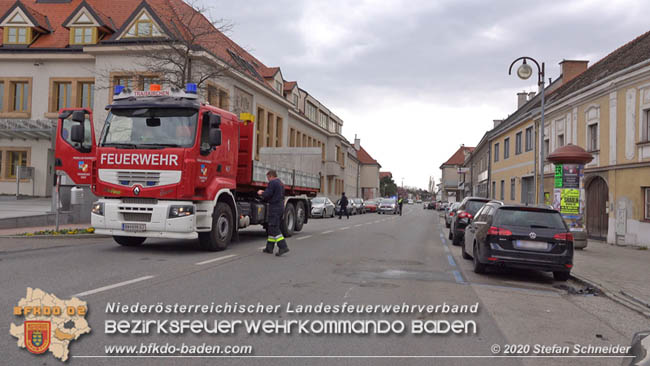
[[169, 166]]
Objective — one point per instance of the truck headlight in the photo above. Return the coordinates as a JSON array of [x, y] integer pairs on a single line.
[[180, 211], [98, 208]]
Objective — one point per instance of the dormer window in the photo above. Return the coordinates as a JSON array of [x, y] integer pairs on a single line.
[[17, 35], [145, 27], [83, 35], [87, 26]]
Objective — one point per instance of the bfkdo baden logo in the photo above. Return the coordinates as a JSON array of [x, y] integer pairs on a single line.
[[83, 166], [204, 170], [50, 323]]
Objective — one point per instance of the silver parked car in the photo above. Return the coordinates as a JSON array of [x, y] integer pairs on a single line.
[[450, 211], [322, 207], [387, 205], [356, 206]]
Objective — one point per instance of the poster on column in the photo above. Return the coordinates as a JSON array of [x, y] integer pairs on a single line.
[[570, 201]]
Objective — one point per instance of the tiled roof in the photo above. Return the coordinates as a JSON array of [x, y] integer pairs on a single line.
[[170, 12], [289, 85], [365, 158], [269, 72], [459, 156], [631, 53], [385, 174]]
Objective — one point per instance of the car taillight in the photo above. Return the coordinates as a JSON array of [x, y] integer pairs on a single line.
[[464, 215], [497, 231], [563, 236], [451, 214]]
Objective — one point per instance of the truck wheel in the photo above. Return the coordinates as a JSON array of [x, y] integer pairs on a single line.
[[288, 220], [561, 275], [129, 241], [300, 216], [222, 224]]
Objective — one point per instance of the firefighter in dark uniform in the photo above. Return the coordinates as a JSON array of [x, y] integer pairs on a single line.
[[274, 195]]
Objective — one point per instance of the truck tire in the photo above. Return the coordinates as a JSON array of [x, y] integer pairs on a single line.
[[300, 216], [288, 223], [219, 237], [129, 241]]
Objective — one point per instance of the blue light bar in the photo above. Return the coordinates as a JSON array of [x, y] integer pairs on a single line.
[[118, 89], [190, 88]]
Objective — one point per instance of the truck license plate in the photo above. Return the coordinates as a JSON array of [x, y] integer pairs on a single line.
[[534, 245], [134, 228]]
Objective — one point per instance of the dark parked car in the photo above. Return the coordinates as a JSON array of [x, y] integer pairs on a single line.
[[468, 207], [450, 211], [529, 237], [431, 205]]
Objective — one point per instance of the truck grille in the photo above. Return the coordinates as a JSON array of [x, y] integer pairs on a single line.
[[140, 201], [137, 217], [143, 178]]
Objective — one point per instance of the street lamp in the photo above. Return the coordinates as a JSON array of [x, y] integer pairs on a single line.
[[524, 72]]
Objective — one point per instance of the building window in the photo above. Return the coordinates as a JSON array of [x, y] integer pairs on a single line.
[[83, 35], [87, 95], [278, 86], [647, 203], [518, 143], [503, 188], [270, 121], [125, 81], [546, 147], [63, 95], [14, 159], [494, 190], [496, 152], [144, 27], [322, 148], [592, 137], [218, 97], [278, 132], [2, 96], [295, 99], [529, 138], [322, 120], [17, 35], [512, 189], [506, 148], [146, 81], [646, 124], [560, 140], [311, 112], [259, 131], [20, 96]]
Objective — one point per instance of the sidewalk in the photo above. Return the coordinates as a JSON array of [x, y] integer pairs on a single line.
[[622, 273], [10, 207]]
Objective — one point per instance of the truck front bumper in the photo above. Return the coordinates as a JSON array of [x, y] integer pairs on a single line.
[[144, 220]]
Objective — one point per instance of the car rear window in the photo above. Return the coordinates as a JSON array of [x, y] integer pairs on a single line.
[[472, 207], [507, 216]]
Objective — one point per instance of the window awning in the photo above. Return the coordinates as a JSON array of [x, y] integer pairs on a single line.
[[27, 129]]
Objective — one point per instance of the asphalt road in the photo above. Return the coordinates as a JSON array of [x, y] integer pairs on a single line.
[[368, 260]]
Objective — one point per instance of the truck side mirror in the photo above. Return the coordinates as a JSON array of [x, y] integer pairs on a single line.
[[215, 137], [215, 120], [79, 116], [77, 133]]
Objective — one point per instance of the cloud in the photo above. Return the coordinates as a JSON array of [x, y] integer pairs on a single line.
[[376, 64]]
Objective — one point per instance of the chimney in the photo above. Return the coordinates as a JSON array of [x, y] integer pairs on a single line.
[[522, 98], [531, 95], [571, 69], [357, 143], [497, 122]]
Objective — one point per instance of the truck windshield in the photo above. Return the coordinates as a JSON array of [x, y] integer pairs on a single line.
[[150, 128]]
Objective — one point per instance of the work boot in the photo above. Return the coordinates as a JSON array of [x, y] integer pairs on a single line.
[[281, 251], [268, 249]]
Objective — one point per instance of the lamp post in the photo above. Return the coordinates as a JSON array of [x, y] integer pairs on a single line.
[[524, 72]]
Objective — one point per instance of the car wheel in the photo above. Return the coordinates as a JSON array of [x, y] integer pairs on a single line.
[[464, 253], [456, 240], [451, 236], [447, 225], [561, 275], [478, 266]]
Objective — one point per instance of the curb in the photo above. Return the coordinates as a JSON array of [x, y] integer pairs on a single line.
[[71, 236], [613, 295]]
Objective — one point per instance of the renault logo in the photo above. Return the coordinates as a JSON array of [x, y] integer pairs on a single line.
[[136, 190], [531, 235]]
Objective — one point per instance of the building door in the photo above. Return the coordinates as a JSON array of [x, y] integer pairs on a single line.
[[527, 190], [597, 196]]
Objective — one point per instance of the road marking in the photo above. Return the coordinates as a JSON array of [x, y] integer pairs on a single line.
[[304, 237], [327, 232], [446, 248], [358, 225], [459, 277], [377, 222], [216, 259], [344, 228], [451, 260], [110, 287]]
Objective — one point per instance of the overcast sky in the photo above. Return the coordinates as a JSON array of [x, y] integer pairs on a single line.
[[415, 79]]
